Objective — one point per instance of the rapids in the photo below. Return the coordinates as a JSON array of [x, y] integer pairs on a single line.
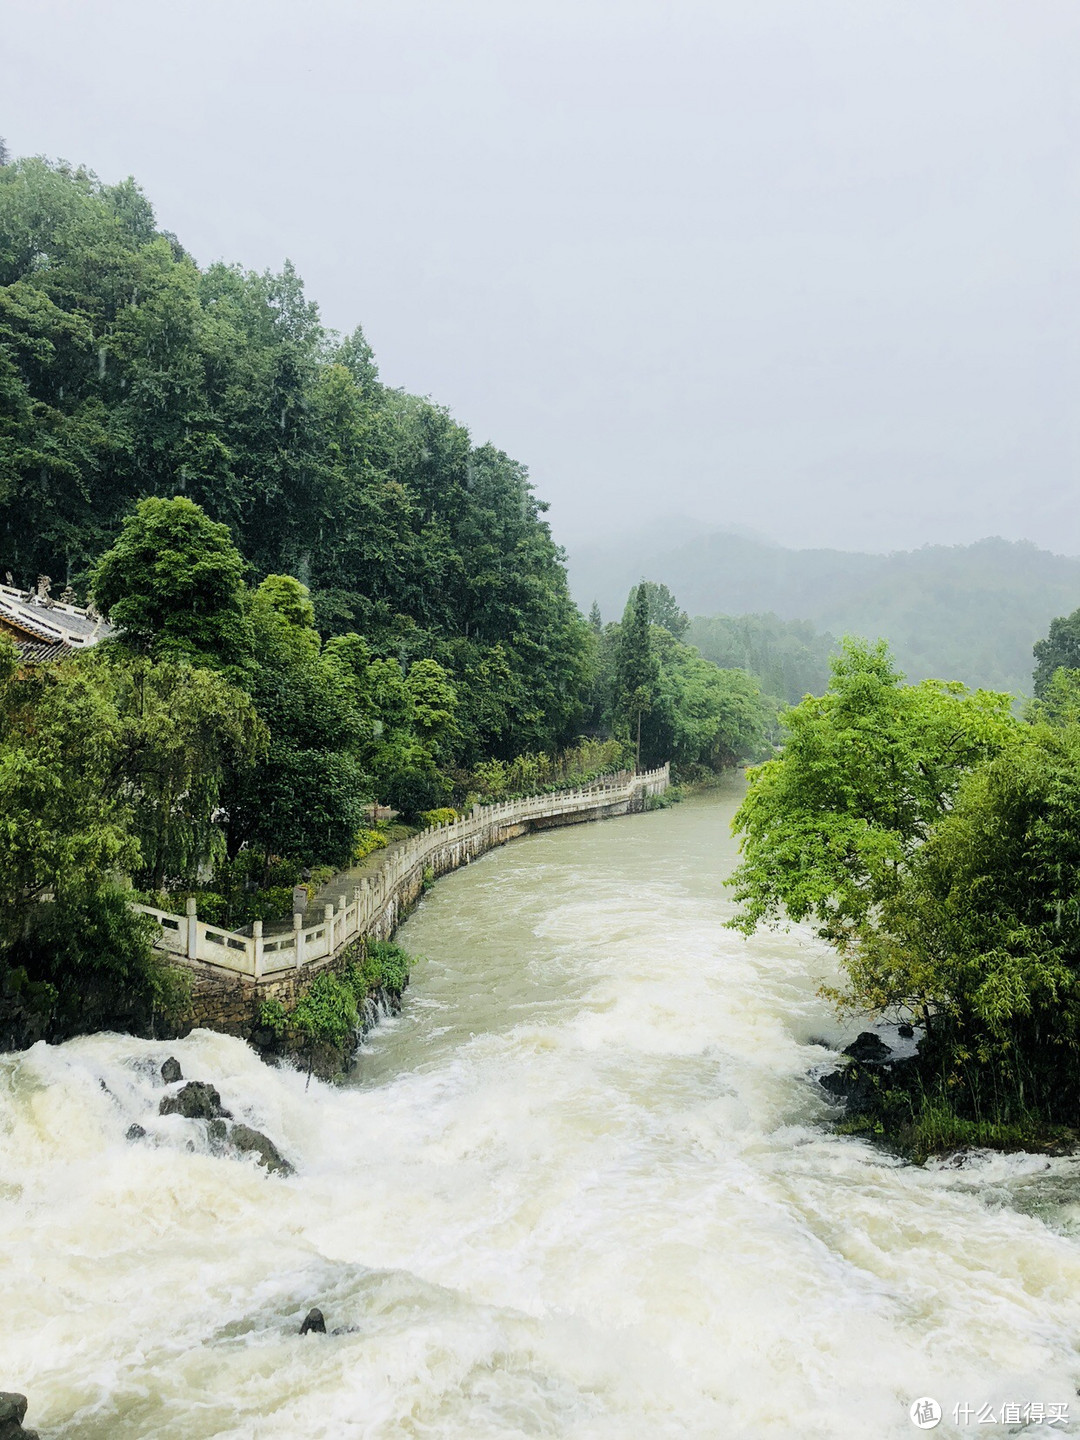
[[584, 1186]]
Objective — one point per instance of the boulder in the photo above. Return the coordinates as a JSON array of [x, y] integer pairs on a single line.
[[851, 1085], [858, 1083], [196, 1101], [12, 1414], [313, 1322], [868, 1048], [12, 1407], [216, 1129], [135, 1132], [906, 1032], [170, 1071], [254, 1142]]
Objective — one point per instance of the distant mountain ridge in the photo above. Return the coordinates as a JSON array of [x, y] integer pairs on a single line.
[[958, 612]]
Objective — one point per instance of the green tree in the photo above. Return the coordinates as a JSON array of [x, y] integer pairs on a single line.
[[1060, 650], [126, 372], [789, 658], [173, 585], [184, 730], [68, 938], [636, 666], [980, 938], [866, 771], [1059, 703], [931, 837], [306, 798], [664, 609], [434, 706], [701, 716]]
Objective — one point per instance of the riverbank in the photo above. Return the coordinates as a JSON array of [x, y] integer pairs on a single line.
[[887, 1099], [334, 987], [311, 991]]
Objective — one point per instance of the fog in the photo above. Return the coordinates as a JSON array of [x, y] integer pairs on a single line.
[[808, 269]]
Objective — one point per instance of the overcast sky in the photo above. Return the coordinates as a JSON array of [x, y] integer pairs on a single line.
[[803, 266]]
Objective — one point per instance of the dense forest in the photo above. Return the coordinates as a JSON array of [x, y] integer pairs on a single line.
[[323, 595], [963, 612], [127, 371]]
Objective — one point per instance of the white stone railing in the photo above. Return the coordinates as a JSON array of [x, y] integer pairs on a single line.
[[258, 956]]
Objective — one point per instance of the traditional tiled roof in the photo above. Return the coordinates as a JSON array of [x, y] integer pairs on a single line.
[[48, 625], [33, 654]]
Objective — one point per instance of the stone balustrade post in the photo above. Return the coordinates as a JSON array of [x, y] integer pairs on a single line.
[[192, 929], [298, 937], [257, 946]]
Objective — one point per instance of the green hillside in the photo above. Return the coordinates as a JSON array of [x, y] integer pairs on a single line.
[[966, 612]]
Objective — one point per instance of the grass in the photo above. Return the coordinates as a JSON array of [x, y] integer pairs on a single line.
[[931, 1127]]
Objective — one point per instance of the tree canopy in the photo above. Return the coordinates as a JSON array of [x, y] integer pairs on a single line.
[[1059, 650], [172, 584], [865, 772], [128, 375], [932, 837]]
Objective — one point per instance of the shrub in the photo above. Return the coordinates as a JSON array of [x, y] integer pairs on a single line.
[[366, 843], [326, 1014], [445, 815], [387, 964], [273, 1016]]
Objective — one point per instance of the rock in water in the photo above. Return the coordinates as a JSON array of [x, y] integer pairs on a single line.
[[170, 1071], [135, 1132], [196, 1101], [868, 1048], [851, 1085], [254, 1142], [314, 1322], [12, 1413]]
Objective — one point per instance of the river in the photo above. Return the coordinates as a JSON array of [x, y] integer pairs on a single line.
[[584, 1186]]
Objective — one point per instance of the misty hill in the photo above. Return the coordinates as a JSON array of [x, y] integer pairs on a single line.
[[961, 612]]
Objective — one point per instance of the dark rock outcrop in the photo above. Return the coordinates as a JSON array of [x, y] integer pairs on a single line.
[[868, 1049], [313, 1322], [859, 1084], [852, 1085], [170, 1071], [12, 1414], [196, 1101], [254, 1142], [135, 1132]]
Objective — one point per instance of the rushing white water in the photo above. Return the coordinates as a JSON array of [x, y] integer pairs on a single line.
[[583, 1187]]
